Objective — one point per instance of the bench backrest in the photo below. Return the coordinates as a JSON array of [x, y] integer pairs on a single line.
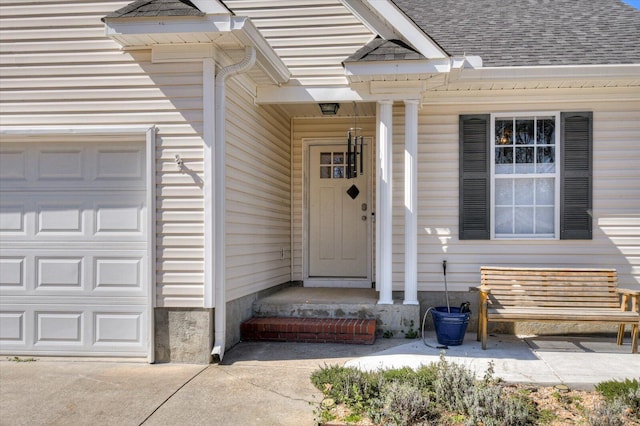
[[541, 287]]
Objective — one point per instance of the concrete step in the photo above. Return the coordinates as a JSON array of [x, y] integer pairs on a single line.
[[302, 302], [310, 330]]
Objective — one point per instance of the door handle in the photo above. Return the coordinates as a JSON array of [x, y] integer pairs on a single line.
[[364, 207], [364, 217]]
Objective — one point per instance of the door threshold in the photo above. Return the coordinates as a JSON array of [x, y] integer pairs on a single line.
[[337, 282]]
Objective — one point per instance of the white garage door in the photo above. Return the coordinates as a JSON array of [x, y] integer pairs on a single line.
[[73, 249]]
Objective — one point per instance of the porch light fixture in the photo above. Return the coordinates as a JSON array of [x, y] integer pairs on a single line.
[[329, 109]]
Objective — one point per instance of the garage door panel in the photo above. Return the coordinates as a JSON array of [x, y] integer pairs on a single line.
[[72, 166], [62, 218], [60, 327], [60, 164], [12, 325], [13, 273], [119, 217], [73, 216], [90, 272], [119, 164], [73, 330], [61, 273], [116, 274], [121, 328], [12, 217], [13, 165]]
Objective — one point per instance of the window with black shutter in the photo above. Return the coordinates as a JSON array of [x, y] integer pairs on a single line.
[[474, 177], [576, 190], [526, 176]]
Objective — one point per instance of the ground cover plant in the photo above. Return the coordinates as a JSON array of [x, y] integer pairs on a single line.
[[445, 393]]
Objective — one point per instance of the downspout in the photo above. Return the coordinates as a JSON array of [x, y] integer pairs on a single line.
[[220, 199]]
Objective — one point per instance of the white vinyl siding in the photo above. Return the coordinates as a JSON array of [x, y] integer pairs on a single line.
[[58, 68], [311, 37], [258, 195], [616, 197]]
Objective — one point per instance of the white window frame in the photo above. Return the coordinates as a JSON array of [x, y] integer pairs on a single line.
[[556, 175]]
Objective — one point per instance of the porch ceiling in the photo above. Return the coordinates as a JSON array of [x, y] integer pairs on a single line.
[[347, 109]]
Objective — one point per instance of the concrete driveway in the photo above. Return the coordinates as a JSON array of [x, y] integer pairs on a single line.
[[268, 383], [258, 384]]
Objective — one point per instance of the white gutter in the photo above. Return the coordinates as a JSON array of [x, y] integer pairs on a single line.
[[220, 198], [596, 72]]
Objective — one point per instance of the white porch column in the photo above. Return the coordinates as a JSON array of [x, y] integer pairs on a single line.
[[411, 203], [384, 202]]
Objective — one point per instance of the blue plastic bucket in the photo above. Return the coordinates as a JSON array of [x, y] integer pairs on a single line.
[[450, 326]]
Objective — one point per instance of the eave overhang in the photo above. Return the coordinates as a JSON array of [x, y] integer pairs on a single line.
[[360, 71], [223, 30], [611, 72]]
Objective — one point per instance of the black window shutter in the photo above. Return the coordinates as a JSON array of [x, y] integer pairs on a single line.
[[576, 199], [475, 177]]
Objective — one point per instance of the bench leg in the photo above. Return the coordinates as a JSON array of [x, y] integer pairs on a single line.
[[484, 334], [483, 329], [620, 334], [634, 339]]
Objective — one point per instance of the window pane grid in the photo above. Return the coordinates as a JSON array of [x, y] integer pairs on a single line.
[[524, 177], [333, 166]]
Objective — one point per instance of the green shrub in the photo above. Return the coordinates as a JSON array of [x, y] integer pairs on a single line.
[[612, 389], [406, 397], [405, 404], [491, 406], [610, 413], [348, 385], [625, 393], [452, 384]]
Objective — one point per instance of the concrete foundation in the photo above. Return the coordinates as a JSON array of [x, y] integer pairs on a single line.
[[183, 335], [241, 309]]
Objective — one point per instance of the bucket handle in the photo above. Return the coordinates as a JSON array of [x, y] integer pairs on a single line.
[[424, 319]]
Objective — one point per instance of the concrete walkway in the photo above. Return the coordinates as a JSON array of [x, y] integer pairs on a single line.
[[268, 383], [578, 362]]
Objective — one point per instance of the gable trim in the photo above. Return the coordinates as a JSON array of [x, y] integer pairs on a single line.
[[407, 28]]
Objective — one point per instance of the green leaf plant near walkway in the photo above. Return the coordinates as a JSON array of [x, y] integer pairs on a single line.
[[446, 393]]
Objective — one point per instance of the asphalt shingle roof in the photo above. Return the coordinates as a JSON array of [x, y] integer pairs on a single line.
[[531, 32], [379, 49], [150, 8]]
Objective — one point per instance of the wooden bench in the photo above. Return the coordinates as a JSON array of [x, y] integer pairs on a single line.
[[570, 295]]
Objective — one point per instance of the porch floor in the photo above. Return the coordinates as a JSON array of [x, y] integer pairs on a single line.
[[321, 295]]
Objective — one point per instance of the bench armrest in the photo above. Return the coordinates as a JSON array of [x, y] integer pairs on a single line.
[[628, 291], [481, 288]]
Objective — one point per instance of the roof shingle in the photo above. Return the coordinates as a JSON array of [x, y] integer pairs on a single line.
[[531, 32], [150, 8]]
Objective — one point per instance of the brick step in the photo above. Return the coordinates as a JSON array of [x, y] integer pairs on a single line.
[[310, 330]]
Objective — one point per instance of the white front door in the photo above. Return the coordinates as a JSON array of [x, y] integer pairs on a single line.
[[339, 218]]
